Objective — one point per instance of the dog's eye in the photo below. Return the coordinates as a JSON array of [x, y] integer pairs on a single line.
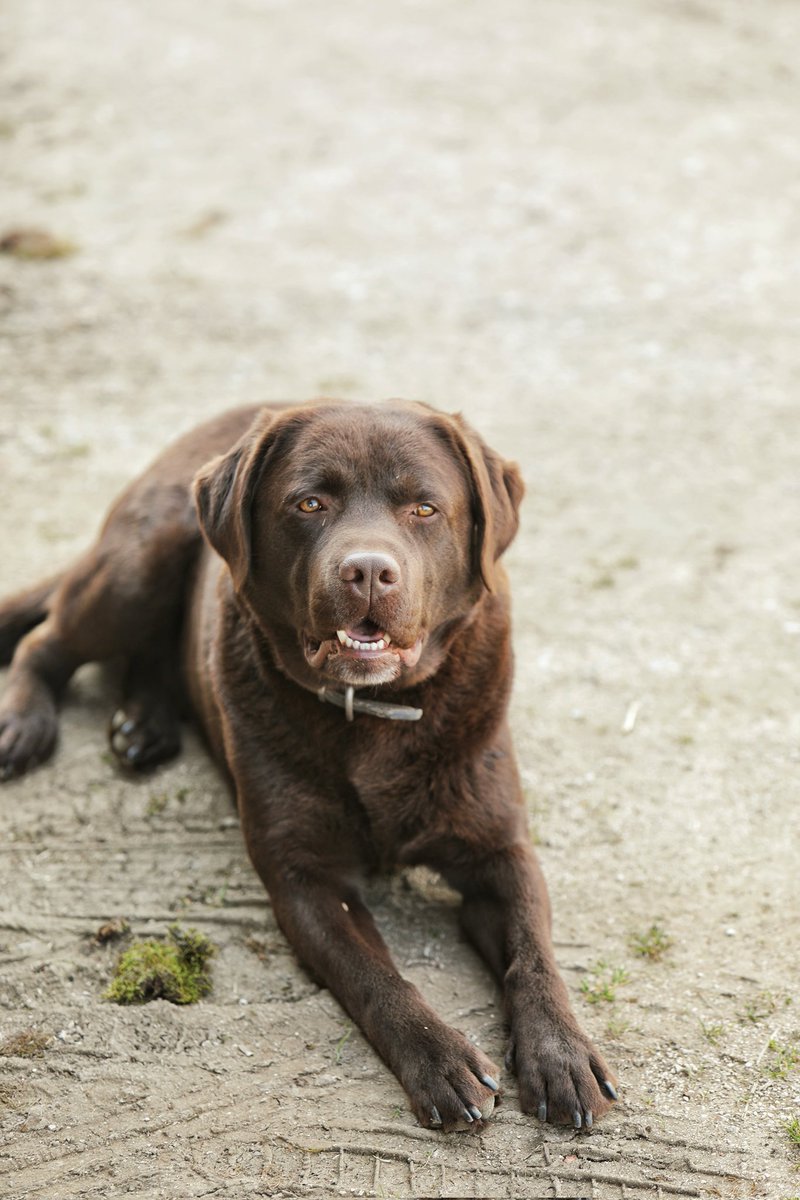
[[424, 510], [310, 505]]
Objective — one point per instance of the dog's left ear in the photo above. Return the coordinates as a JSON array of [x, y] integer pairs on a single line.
[[497, 490]]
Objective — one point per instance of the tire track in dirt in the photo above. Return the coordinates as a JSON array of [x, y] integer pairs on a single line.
[[355, 1159]]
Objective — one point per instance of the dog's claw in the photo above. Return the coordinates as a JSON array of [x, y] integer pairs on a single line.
[[476, 1112], [610, 1090], [588, 1120], [577, 1120], [435, 1116], [543, 1112], [490, 1083], [469, 1117]]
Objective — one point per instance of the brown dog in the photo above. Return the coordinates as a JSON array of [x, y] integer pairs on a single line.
[[343, 633]]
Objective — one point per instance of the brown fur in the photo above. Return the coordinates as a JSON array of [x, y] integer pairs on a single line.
[[246, 621]]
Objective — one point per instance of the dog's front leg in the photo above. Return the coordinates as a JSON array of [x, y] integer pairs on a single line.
[[450, 1083], [506, 913]]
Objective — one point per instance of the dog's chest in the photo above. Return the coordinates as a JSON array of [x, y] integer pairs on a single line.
[[394, 785]]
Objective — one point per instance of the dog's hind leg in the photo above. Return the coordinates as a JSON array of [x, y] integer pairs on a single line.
[[42, 665], [40, 669], [21, 612], [121, 599]]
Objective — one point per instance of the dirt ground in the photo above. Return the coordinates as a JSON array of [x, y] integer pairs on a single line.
[[580, 224]]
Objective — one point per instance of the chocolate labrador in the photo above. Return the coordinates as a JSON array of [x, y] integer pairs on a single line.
[[328, 592]]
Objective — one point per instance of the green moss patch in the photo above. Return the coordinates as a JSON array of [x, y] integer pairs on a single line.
[[174, 970]]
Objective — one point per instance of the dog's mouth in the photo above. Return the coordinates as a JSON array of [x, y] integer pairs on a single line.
[[361, 654]]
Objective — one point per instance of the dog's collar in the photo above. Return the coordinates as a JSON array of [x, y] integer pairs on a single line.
[[373, 708]]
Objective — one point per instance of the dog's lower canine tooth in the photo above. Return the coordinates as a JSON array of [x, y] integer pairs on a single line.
[[341, 635]]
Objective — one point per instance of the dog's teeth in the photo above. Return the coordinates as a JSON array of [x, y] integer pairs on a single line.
[[355, 644]]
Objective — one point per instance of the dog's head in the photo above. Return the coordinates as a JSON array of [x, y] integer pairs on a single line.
[[359, 537]]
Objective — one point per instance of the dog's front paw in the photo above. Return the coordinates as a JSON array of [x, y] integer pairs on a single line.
[[562, 1077], [451, 1084]]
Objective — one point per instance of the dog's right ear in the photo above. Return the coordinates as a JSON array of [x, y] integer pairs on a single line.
[[224, 490]]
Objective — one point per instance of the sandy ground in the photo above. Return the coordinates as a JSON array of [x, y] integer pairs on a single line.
[[578, 223]]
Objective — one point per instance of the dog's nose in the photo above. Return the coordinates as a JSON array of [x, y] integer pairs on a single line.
[[370, 574]]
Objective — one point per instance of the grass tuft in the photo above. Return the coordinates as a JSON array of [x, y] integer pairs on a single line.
[[653, 944], [338, 1050], [599, 985], [762, 1005], [787, 1057], [29, 1043], [712, 1033]]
